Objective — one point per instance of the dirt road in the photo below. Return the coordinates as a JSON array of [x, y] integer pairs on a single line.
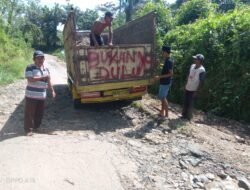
[[117, 146]]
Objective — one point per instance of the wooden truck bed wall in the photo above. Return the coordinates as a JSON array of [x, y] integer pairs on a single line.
[[131, 58], [99, 65]]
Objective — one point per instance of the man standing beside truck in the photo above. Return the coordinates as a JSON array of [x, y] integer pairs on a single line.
[[196, 77], [38, 78], [98, 27], [165, 81]]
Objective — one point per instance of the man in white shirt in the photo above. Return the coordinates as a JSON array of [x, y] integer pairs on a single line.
[[196, 77]]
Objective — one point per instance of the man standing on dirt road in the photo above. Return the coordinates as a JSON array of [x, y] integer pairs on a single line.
[[196, 77], [98, 27], [38, 78], [165, 81]]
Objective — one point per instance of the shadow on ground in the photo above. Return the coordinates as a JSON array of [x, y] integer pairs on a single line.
[[105, 117], [60, 115], [220, 123], [200, 119]]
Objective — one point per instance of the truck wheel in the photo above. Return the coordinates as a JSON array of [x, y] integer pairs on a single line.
[[77, 103], [70, 88], [69, 91]]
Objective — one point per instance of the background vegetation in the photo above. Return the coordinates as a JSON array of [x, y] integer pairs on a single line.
[[224, 41], [218, 29]]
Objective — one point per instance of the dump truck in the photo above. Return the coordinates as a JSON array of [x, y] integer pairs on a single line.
[[120, 72]]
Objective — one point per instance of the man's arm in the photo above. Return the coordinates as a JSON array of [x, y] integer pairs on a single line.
[[202, 77], [169, 74], [51, 88], [38, 78], [110, 35]]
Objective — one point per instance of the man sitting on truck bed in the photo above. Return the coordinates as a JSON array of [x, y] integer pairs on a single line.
[[98, 27]]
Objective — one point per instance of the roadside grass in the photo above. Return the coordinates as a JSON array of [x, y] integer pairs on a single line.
[[13, 70], [59, 53], [137, 104]]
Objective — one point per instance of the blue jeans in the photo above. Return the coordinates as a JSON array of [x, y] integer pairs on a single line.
[[163, 91], [98, 38]]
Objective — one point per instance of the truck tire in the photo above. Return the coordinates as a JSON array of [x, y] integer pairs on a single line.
[[70, 88], [77, 103]]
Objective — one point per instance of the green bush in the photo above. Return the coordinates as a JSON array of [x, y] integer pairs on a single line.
[[224, 40], [165, 23], [190, 11], [14, 56]]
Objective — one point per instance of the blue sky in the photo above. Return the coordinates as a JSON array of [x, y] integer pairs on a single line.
[[83, 4]]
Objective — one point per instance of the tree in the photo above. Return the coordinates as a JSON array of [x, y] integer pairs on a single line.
[[224, 39], [109, 6], [192, 10], [164, 16], [129, 6], [180, 2], [29, 25], [50, 20], [119, 16], [10, 11], [85, 20], [40, 25]]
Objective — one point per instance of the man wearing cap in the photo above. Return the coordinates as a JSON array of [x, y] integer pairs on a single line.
[[165, 81], [98, 27], [38, 78], [196, 77]]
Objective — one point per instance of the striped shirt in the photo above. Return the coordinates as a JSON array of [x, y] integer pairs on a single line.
[[36, 90]]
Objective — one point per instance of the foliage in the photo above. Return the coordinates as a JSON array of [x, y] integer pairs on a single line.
[[13, 57], [29, 25], [10, 11], [224, 40], [178, 3], [164, 21], [49, 22], [192, 10], [13, 70], [164, 16], [86, 19], [129, 7], [38, 25], [109, 6], [59, 53], [119, 20]]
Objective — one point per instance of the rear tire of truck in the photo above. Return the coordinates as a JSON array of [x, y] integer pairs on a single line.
[[69, 89], [77, 103]]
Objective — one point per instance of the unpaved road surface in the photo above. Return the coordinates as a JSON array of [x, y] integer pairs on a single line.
[[115, 146]]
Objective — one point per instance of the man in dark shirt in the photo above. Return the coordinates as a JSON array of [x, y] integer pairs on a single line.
[[165, 80]]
